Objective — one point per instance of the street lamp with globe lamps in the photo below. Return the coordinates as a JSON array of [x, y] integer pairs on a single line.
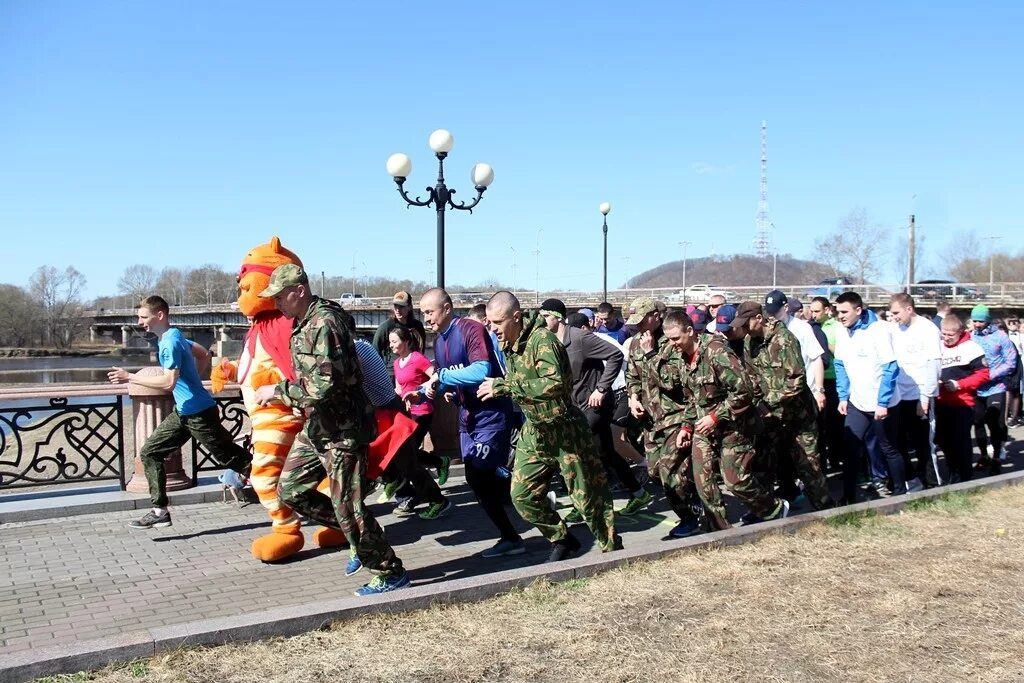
[[400, 166], [605, 208]]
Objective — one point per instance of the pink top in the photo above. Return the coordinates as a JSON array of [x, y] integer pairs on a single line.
[[411, 376]]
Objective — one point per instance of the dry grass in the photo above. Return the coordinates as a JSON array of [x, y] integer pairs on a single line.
[[932, 595]]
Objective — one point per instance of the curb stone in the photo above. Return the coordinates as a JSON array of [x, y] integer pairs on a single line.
[[288, 621]]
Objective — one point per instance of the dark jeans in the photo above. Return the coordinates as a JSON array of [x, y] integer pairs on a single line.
[[600, 423], [916, 435], [423, 423], [953, 436], [493, 493], [830, 428], [989, 411], [174, 432], [861, 427]]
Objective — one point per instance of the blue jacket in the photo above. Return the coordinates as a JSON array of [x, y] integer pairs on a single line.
[[1001, 356], [887, 387]]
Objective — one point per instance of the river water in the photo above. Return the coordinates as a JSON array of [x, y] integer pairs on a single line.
[[63, 370]]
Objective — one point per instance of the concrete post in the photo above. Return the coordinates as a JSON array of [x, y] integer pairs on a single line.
[[223, 332], [93, 335], [126, 334], [150, 407]]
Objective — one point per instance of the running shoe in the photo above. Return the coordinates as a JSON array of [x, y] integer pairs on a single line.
[[636, 503], [384, 584]]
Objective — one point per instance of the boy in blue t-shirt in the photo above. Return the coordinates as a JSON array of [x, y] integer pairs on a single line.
[[195, 412]]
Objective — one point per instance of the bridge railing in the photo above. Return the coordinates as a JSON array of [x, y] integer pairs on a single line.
[[976, 292], [60, 435]]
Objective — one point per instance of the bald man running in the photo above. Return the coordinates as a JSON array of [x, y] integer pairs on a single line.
[[555, 437]]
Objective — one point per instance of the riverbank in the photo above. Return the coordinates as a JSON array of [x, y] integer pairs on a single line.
[[77, 352]]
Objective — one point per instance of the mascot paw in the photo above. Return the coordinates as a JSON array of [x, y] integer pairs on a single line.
[[275, 546], [329, 538], [221, 375], [263, 377]]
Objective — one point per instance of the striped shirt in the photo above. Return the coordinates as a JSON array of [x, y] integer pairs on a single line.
[[377, 383]]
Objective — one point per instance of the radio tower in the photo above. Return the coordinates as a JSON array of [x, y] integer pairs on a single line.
[[763, 236]]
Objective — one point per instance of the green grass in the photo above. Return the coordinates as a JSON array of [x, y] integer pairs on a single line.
[[957, 503], [852, 520]]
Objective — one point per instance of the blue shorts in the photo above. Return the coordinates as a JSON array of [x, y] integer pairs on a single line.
[[486, 450]]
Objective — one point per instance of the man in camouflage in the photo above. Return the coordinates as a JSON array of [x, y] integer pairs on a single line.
[[784, 400], [719, 420], [654, 384], [555, 437], [339, 425]]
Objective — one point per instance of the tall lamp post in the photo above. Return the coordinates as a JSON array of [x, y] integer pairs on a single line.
[[605, 209], [400, 166], [992, 262]]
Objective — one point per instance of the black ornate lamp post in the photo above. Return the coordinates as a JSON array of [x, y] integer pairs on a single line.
[[400, 166], [605, 208]]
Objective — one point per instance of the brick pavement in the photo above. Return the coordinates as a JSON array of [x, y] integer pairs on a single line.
[[71, 579], [84, 577]]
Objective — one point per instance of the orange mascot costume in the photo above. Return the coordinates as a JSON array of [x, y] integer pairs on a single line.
[[266, 359]]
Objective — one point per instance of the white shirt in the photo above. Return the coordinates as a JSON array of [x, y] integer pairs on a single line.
[[863, 354], [810, 349], [620, 381], [918, 348]]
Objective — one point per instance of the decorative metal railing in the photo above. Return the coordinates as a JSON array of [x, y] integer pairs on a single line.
[[236, 419], [62, 440], [54, 435]]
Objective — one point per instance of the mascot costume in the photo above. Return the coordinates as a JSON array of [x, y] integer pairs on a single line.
[[266, 359]]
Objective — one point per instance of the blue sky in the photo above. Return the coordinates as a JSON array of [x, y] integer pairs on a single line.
[[183, 133]]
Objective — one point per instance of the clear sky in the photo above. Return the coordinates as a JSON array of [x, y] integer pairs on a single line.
[[179, 133]]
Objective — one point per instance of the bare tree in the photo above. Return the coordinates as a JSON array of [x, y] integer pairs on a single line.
[[902, 255], [137, 282], [172, 285], [59, 295], [20, 317], [856, 248], [208, 284]]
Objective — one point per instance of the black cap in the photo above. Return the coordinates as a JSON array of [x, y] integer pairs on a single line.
[[553, 306], [774, 302]]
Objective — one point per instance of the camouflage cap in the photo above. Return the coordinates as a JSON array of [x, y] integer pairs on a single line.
[[744, 312], [283, 277], [640, 307]]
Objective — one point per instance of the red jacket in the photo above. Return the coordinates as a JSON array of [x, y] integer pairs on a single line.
[[964, 363]]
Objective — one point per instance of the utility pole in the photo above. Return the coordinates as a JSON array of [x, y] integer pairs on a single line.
[[323, 285], [992, 261], [513, 269], [683, 245], [537, 272], [911, 249]]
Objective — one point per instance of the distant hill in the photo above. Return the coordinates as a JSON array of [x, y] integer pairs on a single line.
[[738, 270]]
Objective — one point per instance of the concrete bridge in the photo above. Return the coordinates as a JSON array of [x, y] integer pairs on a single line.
[[221, 324]]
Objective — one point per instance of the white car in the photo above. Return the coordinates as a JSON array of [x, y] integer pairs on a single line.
[[701, 294]]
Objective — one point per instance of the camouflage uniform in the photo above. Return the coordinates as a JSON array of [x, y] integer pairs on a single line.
[[655, 378], [787, 407], [339, 428], [715, 383], [554, 438]]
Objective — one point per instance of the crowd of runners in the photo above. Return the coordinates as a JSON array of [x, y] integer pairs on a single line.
[[756, 401]]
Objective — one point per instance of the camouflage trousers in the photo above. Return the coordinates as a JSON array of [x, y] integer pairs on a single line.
[[343, 460], [566, 446], [789, 448], [672, 467], [742, 471]]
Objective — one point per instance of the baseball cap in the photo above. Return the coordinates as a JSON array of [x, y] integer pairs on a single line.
[[726, 314], [640, 307], [699, 319], [981, 314], [553, 307], [793, 306], [284, 277], [774, 302], [744, 312], [587, 312], [401, 299]]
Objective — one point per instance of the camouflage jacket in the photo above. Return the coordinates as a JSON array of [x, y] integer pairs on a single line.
[[661, 390], [776, 369], [638, 366], [716, 384], [328, 380], [537, 377]]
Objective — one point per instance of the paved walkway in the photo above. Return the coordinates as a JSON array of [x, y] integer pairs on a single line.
[[89, 576]]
